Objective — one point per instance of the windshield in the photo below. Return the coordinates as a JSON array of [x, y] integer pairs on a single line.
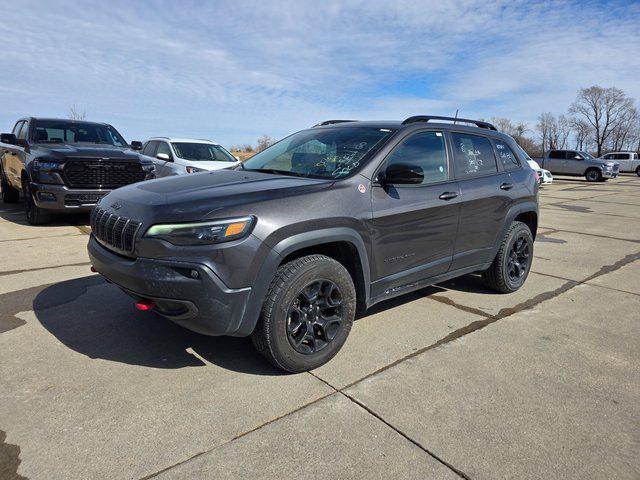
[[202, 152], [69, 131], [320, 153]]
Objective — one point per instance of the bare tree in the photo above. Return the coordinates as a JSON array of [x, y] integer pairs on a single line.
[[604, 108], [76, 114], [545, 125], [582, 131], [264, 142]]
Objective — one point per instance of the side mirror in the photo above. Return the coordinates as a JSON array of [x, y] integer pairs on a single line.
[[401, 174], [164, 157], [8, 138], [578, 157], [136, 145]]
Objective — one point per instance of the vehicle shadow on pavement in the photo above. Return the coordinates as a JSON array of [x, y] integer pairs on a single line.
[[15, 213], [96, 319]]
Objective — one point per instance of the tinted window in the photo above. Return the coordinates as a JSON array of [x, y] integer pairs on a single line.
[[16, 128], [506, 156], [426, 150], [557, 154], [621, 156], [150, 148], [24, 129], [163, 147], [473, 155], [70, 131]]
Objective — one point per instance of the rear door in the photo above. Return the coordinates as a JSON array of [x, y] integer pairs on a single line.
[[624, 160], [555, 161], [485, 199], [414, 226]]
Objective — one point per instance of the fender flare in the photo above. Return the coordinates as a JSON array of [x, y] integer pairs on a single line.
[[280, 251], [514, 211]]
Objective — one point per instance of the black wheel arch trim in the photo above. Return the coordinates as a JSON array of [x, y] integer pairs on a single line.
[[524, 207], [286, 247]]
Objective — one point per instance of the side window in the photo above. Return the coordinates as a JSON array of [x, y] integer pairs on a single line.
[[426, 150], [572, 155], [608, 156], [150, 149], [473, 155], [621, 156], [163, 147], [556, 154], [506, 156]]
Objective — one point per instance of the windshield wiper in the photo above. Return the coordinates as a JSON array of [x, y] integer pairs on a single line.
[[275, 171]]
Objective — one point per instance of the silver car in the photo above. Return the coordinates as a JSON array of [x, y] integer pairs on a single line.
[[175, 156], [629, 161]]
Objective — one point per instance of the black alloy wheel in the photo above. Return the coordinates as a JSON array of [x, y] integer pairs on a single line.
[[315, 317], [519, 256]]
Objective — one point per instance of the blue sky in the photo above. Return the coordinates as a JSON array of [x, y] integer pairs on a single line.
[[235, 70]]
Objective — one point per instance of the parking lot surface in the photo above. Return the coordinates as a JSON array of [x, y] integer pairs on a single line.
[[452, 381]]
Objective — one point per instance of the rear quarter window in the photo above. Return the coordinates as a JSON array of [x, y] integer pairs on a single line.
[[473, 155]]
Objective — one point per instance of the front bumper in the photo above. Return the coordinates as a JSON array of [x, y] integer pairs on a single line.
[[609, 174], [61, 198], [198, 301]]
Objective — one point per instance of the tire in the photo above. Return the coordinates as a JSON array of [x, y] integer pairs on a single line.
[[638, 171], [593, 175], [35, 215], [9, 194], [499, 276], [289, 318]]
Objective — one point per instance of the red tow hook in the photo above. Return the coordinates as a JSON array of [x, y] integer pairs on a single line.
[[145, 304], [93, 269]]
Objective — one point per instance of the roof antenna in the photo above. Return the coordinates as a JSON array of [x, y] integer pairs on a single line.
[[456, 117]]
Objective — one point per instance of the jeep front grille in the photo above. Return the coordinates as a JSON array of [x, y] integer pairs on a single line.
[[92, 173], [114, 231]]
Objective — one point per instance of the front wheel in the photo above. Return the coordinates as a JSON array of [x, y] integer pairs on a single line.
[[638, 171], [593, 175], [307, 314], [35, 215], [512, 263]]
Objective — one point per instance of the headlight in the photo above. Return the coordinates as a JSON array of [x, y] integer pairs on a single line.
[[202, 233], [45, 172], [195, 170]]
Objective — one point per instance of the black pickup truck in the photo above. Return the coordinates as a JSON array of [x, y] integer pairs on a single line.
[[63, 165]]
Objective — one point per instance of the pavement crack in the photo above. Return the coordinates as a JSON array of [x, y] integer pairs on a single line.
[[354, 400], [13, 272]]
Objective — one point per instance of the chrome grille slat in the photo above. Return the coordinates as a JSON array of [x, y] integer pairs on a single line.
[[114, 231]]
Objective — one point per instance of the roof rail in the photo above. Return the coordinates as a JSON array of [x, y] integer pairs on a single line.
[[331, 122], [426, 118]]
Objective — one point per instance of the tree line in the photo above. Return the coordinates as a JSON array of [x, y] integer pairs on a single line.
[[600, 120]]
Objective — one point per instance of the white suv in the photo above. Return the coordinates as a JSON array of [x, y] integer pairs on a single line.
[[175, 156]]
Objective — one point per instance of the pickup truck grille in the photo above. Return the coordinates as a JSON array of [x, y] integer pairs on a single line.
[[93, 173], [114, 231]]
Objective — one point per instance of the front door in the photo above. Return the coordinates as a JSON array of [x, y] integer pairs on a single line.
[[414, 226]]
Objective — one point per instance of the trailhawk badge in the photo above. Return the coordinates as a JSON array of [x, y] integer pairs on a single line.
[[362, 188]]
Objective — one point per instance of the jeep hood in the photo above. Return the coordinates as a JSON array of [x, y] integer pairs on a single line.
[[203, 196]]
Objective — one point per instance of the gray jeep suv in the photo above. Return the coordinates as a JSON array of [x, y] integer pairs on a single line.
[[329, 221]]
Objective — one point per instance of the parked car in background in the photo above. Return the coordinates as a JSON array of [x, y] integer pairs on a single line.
[[572, 162], [175, 156], [62, 165], [544, 176], [629, 161], [330, 220]]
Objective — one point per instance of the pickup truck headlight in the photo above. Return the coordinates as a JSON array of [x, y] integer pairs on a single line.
[[202, 233], [45, 172]]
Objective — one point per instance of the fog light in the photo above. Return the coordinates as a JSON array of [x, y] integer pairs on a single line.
[[46, 197]]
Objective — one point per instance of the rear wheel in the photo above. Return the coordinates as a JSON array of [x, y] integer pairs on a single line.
[[593, 175], [638, 171], [35, 215], [512, 263], [9, 194], [307, 314]]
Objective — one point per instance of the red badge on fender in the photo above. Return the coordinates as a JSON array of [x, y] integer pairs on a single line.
[[362, 188]]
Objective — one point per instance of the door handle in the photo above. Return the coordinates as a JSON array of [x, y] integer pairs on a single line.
[[447, 195], [506, 186]]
